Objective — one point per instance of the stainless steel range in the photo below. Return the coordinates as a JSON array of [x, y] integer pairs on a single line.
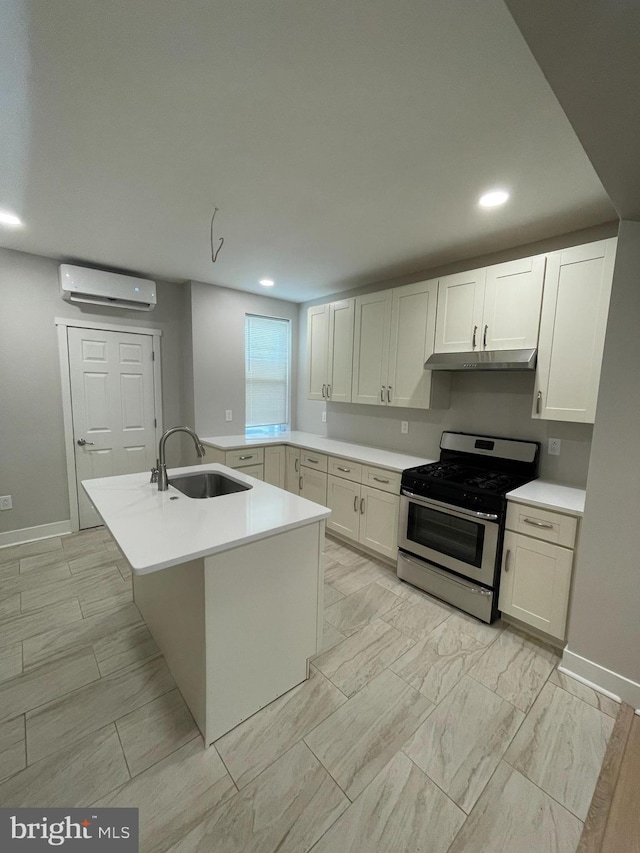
[[452, 518]]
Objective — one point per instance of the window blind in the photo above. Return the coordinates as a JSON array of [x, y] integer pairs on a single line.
[[267, 371]]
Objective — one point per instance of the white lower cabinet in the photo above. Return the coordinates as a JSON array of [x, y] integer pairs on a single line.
[[292, 470], [274, 465], [343, 499], [256, 471], [313, 485], [536, 572]]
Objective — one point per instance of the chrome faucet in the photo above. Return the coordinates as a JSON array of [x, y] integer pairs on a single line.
[[159, 474]]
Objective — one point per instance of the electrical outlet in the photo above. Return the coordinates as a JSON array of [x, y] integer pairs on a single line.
[[324, 417], [228, 415], [404, 427], [6, 502], [554, 447]]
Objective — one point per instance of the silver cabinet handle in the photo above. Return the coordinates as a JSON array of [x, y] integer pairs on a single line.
[[313, 461], [82, 441], [382, 394], [242, 458], [380, 480], [543, 524], [328, 392], [507, 560], [389, 394], [484, 337], [300, 482], [538, 402], [346, 470], [324, 392], [473, 343], [296, 465], [355, 503], [361, 506]]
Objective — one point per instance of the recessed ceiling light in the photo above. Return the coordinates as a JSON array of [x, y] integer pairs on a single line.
[[266, 282], [7, 218], [493, 198]]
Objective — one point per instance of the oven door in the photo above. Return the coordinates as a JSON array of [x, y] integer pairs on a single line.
[[458, 539]]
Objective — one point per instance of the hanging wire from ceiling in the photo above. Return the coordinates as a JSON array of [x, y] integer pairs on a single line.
[[214, 254]]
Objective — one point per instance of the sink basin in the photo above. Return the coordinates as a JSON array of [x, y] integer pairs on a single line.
[[208, 484]]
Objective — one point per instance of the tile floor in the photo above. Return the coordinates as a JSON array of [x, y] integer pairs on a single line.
[[420, 729]]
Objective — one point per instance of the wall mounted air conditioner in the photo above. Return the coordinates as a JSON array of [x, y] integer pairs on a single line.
[[98, 287]]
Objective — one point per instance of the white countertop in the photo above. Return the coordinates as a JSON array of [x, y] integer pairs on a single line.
[[390, 459], [552, 496], [155, 532]]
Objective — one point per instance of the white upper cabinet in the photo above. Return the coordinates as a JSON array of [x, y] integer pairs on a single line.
[[512, 300], [330, 350], [371, 348], [572, 330], [460, 305], [496, 308]]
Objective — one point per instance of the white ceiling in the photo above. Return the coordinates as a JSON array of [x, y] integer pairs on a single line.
[[343, 143]]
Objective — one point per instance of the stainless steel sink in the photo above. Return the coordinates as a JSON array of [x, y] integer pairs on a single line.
[[208, 484]]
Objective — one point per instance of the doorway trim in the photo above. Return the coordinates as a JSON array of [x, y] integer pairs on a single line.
[[63, 324]]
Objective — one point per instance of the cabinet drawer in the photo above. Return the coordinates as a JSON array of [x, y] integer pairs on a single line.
[[542, 524], [380, 478], [313, 460], [345, 469], [256, 471], [244, 457]]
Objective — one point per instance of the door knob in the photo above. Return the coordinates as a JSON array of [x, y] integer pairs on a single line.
[[82, 441]]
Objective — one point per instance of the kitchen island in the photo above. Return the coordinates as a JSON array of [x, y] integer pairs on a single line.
[[230, 586]]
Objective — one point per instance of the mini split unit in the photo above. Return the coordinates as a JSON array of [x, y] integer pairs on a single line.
[[98, 287]]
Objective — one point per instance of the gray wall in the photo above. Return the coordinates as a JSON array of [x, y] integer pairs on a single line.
[[497, 404], [604, 619], [32, 443], [217, 353]]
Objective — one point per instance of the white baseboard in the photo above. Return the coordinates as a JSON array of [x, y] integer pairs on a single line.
[[30, 534], [600, 678]]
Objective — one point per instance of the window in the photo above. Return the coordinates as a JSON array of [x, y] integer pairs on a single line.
[[267, 356]]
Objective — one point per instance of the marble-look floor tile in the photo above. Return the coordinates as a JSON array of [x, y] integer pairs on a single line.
[[353, 576], [174, 795], [264, 737], [287, 808], [84, 632], [462, 741], [331, 595], [72, 777], [480, 631], [341, 553], [85, 589], [21, 626], [514, 816], [358, 739], [49, 575], [120, 598], [10, 606], [587, 694], [436, 664], [38, 562], [156, 730], [515, 667], [417, 617], [13, 753], [330, 637], [94, 560], [401, 810], [10, 662], [560, 747], [362, 656], [8, 570], [47, 682], [41, 546], [125, 569], [353, 612], [123, 648], [58, 724]]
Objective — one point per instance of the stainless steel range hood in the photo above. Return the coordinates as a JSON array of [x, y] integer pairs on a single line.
[[506, 359]]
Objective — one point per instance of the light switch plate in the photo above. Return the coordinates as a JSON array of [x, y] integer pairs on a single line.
[[554, 447], [228, 415], [324, 417], [6, 502], [404, 427]]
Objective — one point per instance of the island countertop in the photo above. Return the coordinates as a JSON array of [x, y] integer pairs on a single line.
[[156, 529]]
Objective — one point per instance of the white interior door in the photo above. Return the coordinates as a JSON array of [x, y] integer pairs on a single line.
[[113, 407]]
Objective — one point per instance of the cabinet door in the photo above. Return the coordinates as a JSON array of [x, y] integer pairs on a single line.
[[535, 582], [379, 521], [575, 306], [460, 306], [413, 324], [512, 301], [317, 350], [256, 471], [343, 499], [313, 485], [371, 348], [292, 470], [274, 466], [340, 369]]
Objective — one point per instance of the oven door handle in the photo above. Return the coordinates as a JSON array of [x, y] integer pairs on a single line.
[[487, 516], [476, 590]]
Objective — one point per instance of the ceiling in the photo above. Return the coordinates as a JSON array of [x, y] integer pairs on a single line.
[[343, 143]]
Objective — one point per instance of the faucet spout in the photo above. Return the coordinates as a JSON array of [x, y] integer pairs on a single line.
[[163, 480]]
